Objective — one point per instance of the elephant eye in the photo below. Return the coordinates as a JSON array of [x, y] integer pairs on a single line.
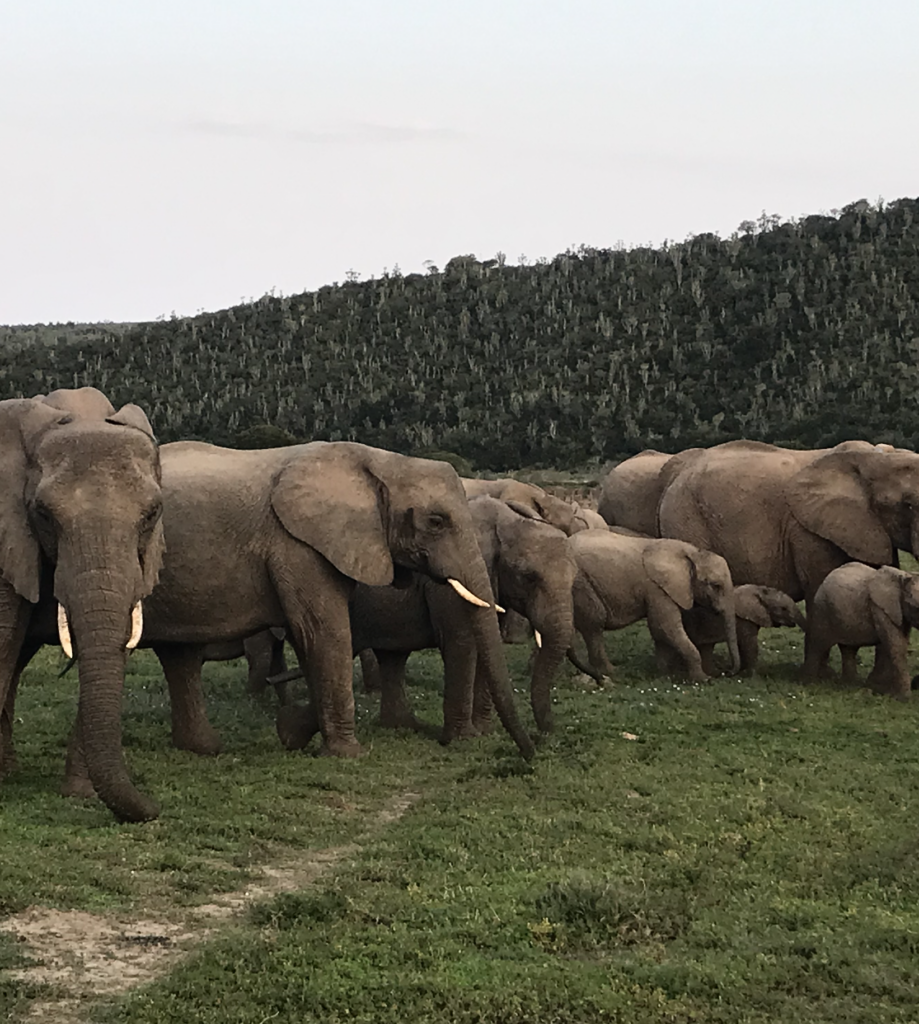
[[437, 521], [152, 514]]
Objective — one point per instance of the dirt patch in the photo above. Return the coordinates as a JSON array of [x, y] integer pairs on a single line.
[[87, 956]]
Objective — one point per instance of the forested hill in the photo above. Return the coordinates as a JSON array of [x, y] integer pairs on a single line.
[[804, 332]]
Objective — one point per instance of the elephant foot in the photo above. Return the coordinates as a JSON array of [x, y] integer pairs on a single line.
[[545, 723], [296, 725], [204, 741], [464, 731], [483, 726], [78, 786], [341, 748], [399, 720]]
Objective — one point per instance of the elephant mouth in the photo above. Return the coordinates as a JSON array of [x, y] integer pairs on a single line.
[[66, 640]]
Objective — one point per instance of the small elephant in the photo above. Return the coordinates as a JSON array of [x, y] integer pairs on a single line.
[[622, 579], [755, 607], [555, 511], [858, 606]]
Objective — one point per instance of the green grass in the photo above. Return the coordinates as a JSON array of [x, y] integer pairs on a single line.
[[752, 856]]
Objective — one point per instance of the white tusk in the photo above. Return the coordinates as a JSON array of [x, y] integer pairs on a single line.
[[137, 626], [467, 595], [498, 608], [63, 632], [537, 637]]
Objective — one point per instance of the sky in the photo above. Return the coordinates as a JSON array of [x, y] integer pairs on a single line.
[[173, 157]]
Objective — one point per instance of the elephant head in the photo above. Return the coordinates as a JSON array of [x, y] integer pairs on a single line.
[[533, 570], [766, 606], [690, 576], [896, 594], [368, 511], [82, 493], [864, 501]]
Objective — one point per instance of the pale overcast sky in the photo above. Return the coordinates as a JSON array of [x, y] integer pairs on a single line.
[[181, 155]]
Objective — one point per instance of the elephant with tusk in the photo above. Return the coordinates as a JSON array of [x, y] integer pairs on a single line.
[[280, 538], [81, 545]]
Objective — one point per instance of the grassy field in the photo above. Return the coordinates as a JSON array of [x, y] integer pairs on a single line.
[[741, 851]]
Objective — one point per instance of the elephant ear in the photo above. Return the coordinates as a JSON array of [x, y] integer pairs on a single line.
[[20, 554], [670, 567], [884, 590], [830, 498], [328, 498], [749, 605], [131, 415], [524, 510]]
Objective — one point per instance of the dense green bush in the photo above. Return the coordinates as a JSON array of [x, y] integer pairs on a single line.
[[805, 332]]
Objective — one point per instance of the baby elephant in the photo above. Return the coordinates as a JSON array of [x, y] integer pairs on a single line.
[[857, 606], [755, 607], [622, 579]]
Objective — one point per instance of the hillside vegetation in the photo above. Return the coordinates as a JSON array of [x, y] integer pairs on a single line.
[[804, 332]]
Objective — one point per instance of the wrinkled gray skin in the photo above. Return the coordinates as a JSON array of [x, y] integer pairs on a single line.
[[622, 579], [786, 519], [80, 526], [858, 606], [531, 571], [555, 511], [278, 537], [755, 608], [630, 492]]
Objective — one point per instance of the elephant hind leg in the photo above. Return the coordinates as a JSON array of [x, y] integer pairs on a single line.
[[849, 655], [191, 729]]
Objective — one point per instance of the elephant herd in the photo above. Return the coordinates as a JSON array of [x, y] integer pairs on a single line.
[[109, 541]]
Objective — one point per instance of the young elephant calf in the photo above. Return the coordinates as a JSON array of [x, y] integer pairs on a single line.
[[622, 579], [857, 606], [755, 607]]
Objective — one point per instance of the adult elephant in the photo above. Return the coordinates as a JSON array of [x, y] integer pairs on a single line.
[[279, 537], [786, 519], [555, 511], [531, 571], [81, 545], [630, 492]]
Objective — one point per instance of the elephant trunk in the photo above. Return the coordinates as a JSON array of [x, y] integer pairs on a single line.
[[100, 615], [730, 634], [799, 620], [491, 661], [556, 631]]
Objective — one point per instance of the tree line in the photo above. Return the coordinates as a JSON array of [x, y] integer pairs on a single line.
[[804, 332]]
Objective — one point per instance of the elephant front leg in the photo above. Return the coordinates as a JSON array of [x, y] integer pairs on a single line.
[[665, 623], [890, 674], [395, 709], [467, 698], [191, 729], [14, 656], [747, 644]]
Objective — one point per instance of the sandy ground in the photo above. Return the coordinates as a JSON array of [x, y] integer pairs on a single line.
[[89, 956]]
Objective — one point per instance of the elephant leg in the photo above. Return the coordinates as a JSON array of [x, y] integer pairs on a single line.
[[665, 623], [320, 632], [278, 667], [395, 709], [14, 619], [8, 763], [817, 653], [849, 655], [890, 674], [370, 671], [467, 698], [76, 782], [191, 729], [747, 645]]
